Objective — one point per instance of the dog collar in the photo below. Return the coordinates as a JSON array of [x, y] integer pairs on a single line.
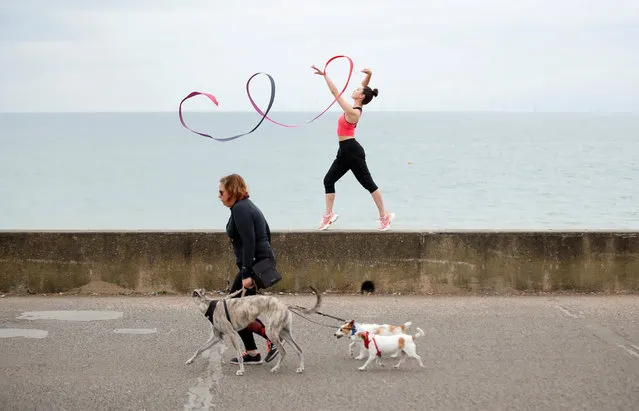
[[209, 311], [367, 342], [379, 353], [226, 311], [354, 330]]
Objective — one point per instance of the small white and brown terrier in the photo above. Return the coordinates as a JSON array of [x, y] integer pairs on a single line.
[[380, 345], [351, 328]]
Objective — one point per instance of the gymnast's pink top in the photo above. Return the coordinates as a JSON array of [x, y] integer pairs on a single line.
[[344, 128]]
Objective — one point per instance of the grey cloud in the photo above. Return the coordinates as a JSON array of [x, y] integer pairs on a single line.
[[439, 55]]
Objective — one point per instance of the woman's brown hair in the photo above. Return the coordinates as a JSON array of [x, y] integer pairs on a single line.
[[369, 93], [235, 185]]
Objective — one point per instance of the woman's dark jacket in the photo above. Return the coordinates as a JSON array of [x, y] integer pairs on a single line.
[[250, 235]]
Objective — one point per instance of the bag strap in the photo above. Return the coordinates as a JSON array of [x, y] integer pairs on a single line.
[[268, 233]]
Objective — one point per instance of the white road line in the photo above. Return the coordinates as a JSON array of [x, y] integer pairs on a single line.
[[22, 332], [630, 351], [569, 313], [604, 333], [135, 330], [71, 315]]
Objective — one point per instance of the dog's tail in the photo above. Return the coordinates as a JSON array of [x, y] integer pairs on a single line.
[[318, 302], [420, 333]]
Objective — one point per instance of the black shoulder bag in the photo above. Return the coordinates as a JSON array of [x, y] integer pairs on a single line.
[[266, 274]]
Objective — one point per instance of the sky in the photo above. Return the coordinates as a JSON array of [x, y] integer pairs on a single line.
[[437, 55]]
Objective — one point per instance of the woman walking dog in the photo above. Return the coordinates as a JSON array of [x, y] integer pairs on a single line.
[[251, 238]]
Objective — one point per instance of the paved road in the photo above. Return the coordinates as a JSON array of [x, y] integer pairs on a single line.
[[481, 353]]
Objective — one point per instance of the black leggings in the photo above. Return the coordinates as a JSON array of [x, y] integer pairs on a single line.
[[350, 156], [256, 326]]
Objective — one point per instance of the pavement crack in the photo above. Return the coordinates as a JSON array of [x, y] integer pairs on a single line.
[[202, 395]]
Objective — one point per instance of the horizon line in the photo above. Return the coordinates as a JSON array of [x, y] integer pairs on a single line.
[[311, 111]]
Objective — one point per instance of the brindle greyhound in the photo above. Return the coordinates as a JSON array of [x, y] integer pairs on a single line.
[[236, 313]]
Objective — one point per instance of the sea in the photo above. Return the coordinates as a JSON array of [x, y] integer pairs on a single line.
[[438, 171]]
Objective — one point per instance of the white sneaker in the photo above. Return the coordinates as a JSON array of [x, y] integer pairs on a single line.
[[327, 220], [385, 222]]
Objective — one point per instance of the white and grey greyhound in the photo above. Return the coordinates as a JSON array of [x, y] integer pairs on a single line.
[[229, 315]]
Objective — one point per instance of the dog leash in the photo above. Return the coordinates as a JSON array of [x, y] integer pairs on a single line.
[[320, 313], [243, 291], [233, 294], [330, 316], [309, 320]]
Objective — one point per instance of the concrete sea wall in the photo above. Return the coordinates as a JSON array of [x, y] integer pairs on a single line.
[[339, 261]]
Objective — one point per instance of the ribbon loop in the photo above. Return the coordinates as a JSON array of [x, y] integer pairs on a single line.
[[214, 100], [350, 73], [263, 114]]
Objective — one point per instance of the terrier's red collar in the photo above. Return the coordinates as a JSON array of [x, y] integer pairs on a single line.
[[367, 341]]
